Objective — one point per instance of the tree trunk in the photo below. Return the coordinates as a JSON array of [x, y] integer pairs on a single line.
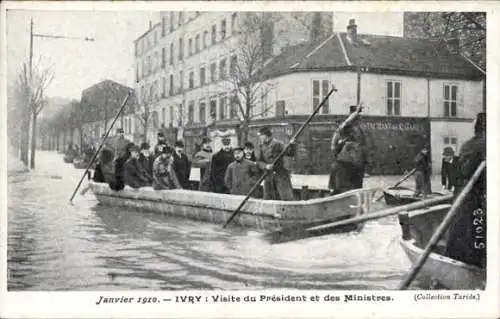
[[25, 141], [33, 142], [244, 131]]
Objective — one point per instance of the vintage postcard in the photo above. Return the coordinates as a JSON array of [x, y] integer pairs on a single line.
[[249, 159]]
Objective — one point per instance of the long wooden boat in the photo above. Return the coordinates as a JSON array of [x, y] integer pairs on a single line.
[[438, 271], [257, 213], [397, 196]]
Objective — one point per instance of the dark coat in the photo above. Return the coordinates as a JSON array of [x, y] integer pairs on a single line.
[[118, 182], [467, 233], [182, 168], [422, 174], [119, 145], [202, 159], [134, 174], [277, 185], [449, 173], [147, 164], [241, 176], [218, 166], [164, 175]]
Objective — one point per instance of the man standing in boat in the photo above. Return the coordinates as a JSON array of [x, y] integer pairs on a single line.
[[349, 156], [120, 143], [218, 166], [202, 159], [467, 234], [160, 142], [182, 166], [241, 174], [277, 185]]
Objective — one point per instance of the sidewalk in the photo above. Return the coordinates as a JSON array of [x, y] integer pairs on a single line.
[[14, 164]]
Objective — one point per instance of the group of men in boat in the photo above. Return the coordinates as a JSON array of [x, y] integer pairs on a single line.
[[231, 170]]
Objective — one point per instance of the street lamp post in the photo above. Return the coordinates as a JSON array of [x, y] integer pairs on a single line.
[[30, 101]]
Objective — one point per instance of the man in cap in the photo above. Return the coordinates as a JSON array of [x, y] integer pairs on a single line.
[[120, 143], [241, 174], [202, 159], [135, 174], [277, 185], [218, 166], [449, 169], [161, 141], [182, 166], [467, 233], [349, 156]]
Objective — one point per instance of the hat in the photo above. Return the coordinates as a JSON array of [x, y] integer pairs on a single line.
[[179, 143], [119, 130], [166, 149], [145, 146], [133, 148], [205, 140], [226, 141], [249, 145], [448, 151], [160, 134], [238, 148], [353, 108], [265, 131], [480, 125]]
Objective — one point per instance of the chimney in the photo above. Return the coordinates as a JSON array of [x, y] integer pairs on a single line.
[[352, 31], [453, 44]]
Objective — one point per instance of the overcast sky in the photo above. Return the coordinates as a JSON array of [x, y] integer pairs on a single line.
[[79, 64]]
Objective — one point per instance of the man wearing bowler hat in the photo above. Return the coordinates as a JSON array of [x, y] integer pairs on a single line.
[[277, 184], [120, 143], [218, 165], [182, 165], [449, 169]]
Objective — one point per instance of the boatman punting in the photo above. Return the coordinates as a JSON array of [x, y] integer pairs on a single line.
[[277, 185], [349, 155], [467, 234], [218, 166], [120, 143]]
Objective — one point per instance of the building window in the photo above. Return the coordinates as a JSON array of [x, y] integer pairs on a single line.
[[450, 100], [197, 43], [136, 72], [190, 46], [191, 79], [181, 49], [222, 108], [181, 80], [163, 57], [214, 34], [205, 39], [171, 22], [191, 112], [213, 109], [163, 26], [451, 141], [234, 18], [202, 76], [233, 65], [234, 107], [320, 91], [171, 83], [171, 54], [202, 112], [393, 98], [164, 89], [280, 108], [213, 72], [163, 117], [181, 19], [171, 113], [223, 29], [222, 72]]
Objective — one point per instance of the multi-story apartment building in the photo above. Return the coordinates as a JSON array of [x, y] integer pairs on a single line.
[[416, 92]]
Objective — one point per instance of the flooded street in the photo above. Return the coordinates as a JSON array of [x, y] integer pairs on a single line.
[[53, 245]]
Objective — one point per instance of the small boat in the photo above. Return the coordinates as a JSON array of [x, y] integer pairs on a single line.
[[438, 271], [68, 158], [256, 213], [396, 196]]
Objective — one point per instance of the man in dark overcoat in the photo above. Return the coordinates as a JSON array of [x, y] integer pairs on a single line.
[[182, 165], [241, 174], [449, 169], [218, 166]]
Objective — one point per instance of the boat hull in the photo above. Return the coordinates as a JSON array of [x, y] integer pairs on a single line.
[[215, 208], [402, 196], [438, 271]]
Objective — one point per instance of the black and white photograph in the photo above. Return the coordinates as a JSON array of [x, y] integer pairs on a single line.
[[229, 150]]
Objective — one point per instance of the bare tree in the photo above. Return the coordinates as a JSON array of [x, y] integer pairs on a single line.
[[246, 68], [33, 87], [146, 116]]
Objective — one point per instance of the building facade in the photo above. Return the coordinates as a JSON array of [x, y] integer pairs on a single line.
[[414, 91]]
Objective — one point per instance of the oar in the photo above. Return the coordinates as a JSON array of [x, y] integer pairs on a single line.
[[328, 227], [266, 172], [442, 228], [102, 143], [404, 178]]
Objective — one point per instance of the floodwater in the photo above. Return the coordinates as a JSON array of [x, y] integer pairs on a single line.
[[53, 245]]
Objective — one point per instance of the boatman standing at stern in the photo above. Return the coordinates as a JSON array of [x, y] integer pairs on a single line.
[[120, 143], [467, 237], [277, 185]]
